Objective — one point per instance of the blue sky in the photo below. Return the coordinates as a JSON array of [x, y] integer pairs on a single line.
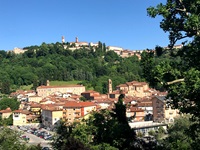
[[122, 23]]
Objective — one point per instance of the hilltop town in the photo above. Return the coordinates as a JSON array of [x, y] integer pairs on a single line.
[[79, 44], [72, 103], [48, 104]]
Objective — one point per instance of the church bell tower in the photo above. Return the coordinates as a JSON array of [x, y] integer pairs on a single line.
[[109, 86]]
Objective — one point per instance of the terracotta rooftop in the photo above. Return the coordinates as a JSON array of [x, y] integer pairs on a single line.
[[78, 104], [90, 91], [35, 105], [136, 109], [7, 110], [122, 85], [46, 87], [22, 111]]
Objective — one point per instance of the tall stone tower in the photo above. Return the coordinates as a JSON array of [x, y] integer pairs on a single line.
[[63, 39], [76, 40], [109, 86], [48, 83]]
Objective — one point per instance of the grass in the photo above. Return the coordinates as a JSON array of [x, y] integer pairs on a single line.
[[26, 87], [60, 83], [56, 83]]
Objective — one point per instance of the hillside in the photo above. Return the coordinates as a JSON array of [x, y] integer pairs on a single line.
[[52, 62]]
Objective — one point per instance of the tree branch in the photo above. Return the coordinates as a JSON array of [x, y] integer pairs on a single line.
[[184, 9], [175, 81]]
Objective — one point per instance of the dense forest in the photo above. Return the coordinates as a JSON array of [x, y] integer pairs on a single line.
[[92, 66]]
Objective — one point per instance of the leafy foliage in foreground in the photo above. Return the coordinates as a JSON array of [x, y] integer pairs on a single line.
[[181, 19], [10, 140]]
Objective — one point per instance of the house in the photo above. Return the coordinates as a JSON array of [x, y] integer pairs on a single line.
[[90, 94], [135, 114], [134, 88], [146, 105], [35, 108], [162, 112], [51, 115], [103, 103], [45, 91], [17, 50], [20, 117], [5, 113], [109, 48], [74, 111], [35, 98], [79, 44]]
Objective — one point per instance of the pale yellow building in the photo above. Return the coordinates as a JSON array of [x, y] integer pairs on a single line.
[[20, 117], [6, 113], [51, 116], [134, 88], [36, 99], [75, 111], [45, 91], [109, 48]]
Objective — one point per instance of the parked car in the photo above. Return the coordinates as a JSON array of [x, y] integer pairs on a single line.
[[48, 137], [45, 148]]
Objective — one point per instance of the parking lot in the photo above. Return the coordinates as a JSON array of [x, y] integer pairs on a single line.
[[35, 135]]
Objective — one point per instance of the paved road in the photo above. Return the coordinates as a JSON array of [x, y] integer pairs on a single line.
[[37, 140]]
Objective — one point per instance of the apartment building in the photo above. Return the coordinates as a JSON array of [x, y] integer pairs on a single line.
[[74, 111], [51, 115], [162, 112], [45, 91]]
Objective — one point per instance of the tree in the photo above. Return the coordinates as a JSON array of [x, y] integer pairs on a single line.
[[181, 18], [148, 63], [5, 87], [6, 121], [10, 140], [112, 128], [9, 102], [178, 137], [103, 130], [159, 51], [64, 141]]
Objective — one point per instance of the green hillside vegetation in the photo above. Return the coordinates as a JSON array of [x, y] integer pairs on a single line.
[[54, 63], [62, 83], [88, 66]]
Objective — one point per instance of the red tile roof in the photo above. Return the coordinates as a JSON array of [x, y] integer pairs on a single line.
[[22, 111], [136, 109], [46, 87], [78, 104], [7, 110]]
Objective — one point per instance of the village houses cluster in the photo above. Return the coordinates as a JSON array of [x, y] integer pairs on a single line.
[[87, 45], [50, 104]]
